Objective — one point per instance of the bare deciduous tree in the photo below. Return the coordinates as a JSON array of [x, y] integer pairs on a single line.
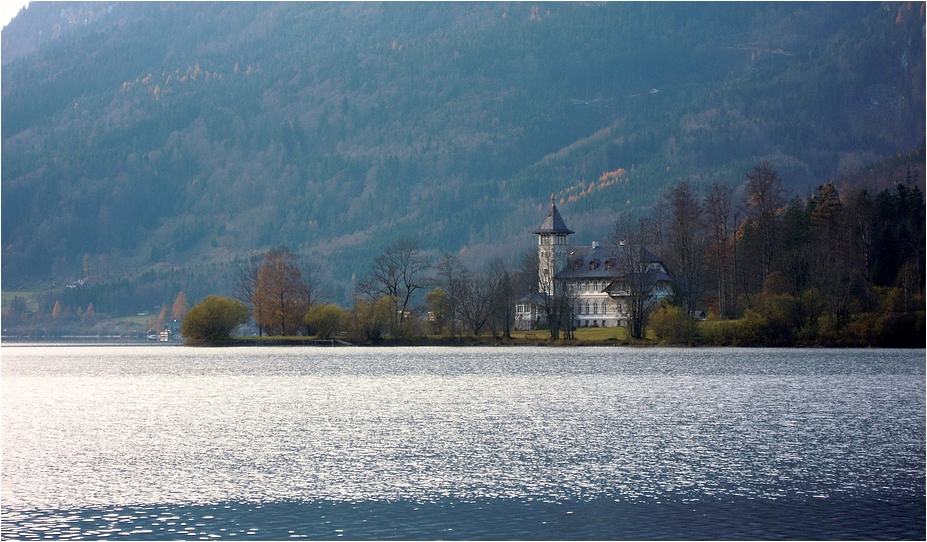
[[397, 273], [719, 211], [685, 246], [525, 277], [245, 278], [630, 240], [450, 277], [475, 304], [765, 198], [557, 305], [314, 284], [503, 299]]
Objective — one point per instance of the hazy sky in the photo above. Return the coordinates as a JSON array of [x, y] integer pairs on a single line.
[[8, 10]]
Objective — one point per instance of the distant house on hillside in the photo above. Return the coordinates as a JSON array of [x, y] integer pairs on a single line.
[[589, 280]]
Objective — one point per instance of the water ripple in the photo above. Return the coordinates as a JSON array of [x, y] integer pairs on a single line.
[[92, 428]]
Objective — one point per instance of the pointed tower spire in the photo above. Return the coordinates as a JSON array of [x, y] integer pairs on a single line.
[[552, 247], [553, 224]]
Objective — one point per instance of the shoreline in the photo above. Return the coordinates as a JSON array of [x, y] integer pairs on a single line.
[[461, 342]]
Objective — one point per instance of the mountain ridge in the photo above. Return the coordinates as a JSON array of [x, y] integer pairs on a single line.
[[163, 135]]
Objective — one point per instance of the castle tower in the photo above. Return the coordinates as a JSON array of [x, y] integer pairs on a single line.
[[552, 248]]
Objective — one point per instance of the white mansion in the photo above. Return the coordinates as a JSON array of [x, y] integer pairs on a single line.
[[591, 275]]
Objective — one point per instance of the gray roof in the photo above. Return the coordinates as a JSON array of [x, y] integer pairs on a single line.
[[599, 262], [536, 298], [553, 223], [589, 262], [650, 257]]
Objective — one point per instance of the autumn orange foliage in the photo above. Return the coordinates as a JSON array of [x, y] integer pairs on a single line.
[[607, 179]]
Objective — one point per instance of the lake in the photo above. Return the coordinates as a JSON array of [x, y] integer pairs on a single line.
[[143, 442]]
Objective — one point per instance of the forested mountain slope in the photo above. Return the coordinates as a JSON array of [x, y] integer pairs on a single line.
[[163, 137]]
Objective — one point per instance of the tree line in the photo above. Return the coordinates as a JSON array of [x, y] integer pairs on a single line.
[[760, 268], [403, 294], [747, 265], [829, 269], [755, 269], [23, 317]]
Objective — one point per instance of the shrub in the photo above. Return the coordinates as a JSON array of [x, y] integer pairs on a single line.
[[211, 322], [669, 324], [752, 329], [717, 332], [900, 330], [370, 320], [832, 330], [783, 317], [324, 320]]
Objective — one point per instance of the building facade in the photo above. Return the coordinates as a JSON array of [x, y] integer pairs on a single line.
[[590, 281]]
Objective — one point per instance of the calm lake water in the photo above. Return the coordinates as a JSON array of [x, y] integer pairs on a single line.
[[139, 442]]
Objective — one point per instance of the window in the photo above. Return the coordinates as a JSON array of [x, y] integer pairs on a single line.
[[595, 308], [604, 309], [595, 286], [587, 307]]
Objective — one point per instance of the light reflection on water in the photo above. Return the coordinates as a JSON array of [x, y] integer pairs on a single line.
[[212, 430]]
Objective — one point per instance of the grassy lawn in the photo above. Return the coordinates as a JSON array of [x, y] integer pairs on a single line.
[[29, 297], [255, 338], [583, 334], [601, 333], [134, 319]]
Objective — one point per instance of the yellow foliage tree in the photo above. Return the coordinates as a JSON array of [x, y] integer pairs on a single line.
[[179, 307], [279, 298]]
